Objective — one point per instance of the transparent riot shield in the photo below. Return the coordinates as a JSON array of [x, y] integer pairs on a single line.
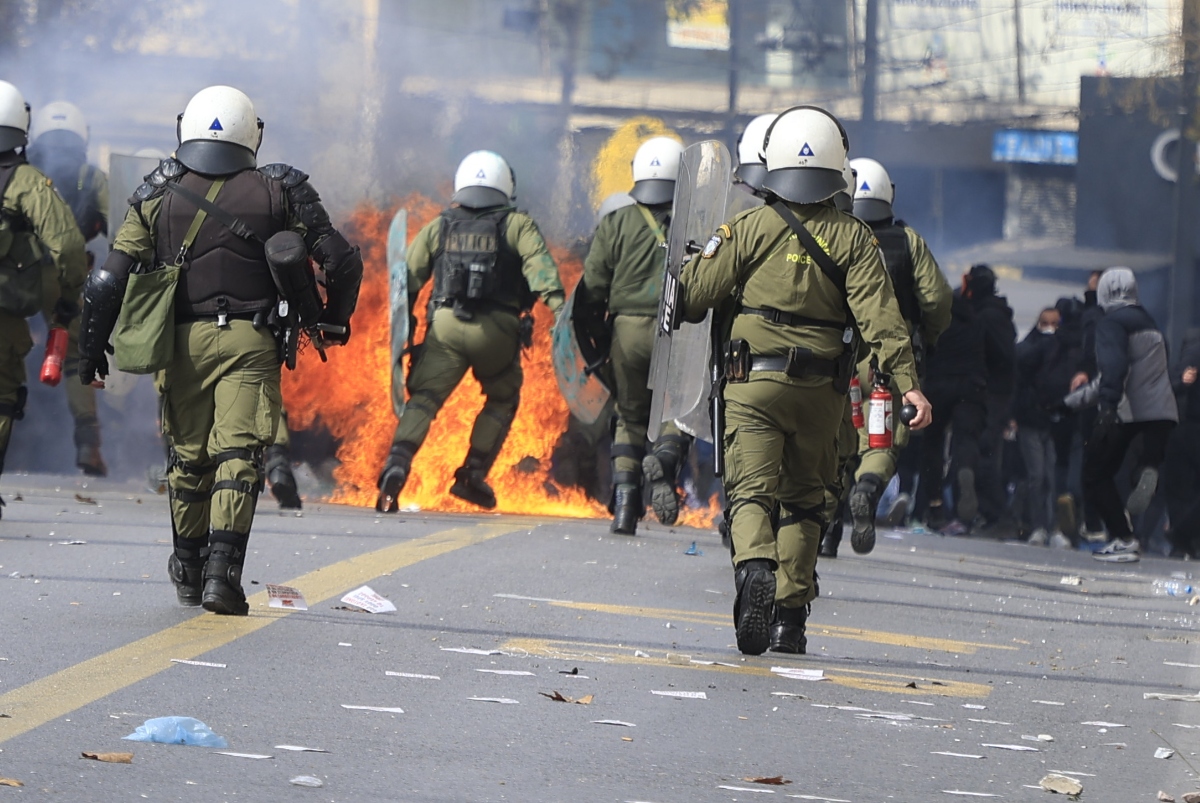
[[680, 363], [584, 393], [125, 175], [397, 256]]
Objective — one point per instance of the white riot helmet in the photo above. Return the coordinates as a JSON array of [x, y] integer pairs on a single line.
[[14, 117], [655, 168], [218, 132], [873, 191], [844, 199], [59, 125], [484, 179], [751, 169], [805, 150]]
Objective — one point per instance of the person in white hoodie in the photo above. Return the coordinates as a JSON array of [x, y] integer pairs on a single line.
[[1133, 393]]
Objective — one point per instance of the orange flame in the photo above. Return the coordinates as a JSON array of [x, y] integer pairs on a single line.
[[350, 395]]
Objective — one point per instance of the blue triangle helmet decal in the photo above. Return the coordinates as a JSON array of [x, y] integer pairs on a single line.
[[806, 150], [865, 187], [655, 163], [216, 125], [481, 174]]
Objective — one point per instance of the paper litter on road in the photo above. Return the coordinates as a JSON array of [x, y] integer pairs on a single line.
[[685, 695], [1071, 580], [699, 662], [514, 672], [1178, 698], [72, 542], [1189, 727], [974, 707], [414, 675], [747, 789], [968, 794], [640, 654], [953, 755], [1164, 752], [310, 781], [1021, 747], [198, 663], [1041, 737], [917, 702], [799, 674], [528, 599], [613, 722], [384, 709], [369, 601], [988, 721], [1075, 774], [1046, 702], [1185, 666], [788, 694], [1100, 724], [345, 644], [470, 651], [816, 797], [242, 755], [296, 748], [501, 700], [285, 597]]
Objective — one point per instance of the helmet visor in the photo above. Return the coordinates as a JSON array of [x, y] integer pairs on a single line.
[[751, 174], [478, 197], [214, 158], [11, 138], [872, 209], [804, 185], [653, 191]]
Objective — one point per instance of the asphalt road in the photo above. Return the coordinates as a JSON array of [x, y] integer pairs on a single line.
[[929, 650]]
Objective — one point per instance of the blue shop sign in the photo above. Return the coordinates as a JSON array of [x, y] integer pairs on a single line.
[[1036, 147]]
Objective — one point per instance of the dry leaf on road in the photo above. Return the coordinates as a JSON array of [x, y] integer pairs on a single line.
[[776, 780], [110, 758], [10, 782], [559, 697]]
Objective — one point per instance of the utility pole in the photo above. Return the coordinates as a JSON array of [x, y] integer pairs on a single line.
[[1183, 271], [1020, 52], [870, 81], [734, 20]]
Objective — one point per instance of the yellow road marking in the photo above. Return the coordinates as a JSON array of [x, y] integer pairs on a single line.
[[833, 631], [853, 678], [59, 694]]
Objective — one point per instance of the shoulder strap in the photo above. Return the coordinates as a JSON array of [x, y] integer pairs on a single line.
[[206, 205], [814, 249], [654, 226], [198, 220]]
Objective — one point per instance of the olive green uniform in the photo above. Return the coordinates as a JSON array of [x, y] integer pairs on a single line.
[[780, 431], [933, 296], [81, 399], [624, 270], [37, 225], [488, 344]]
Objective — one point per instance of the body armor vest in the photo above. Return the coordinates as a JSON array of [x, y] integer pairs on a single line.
[[893, 241], [222, 272], [474, 265]]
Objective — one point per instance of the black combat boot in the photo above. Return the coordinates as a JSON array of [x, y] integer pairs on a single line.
[[185, 567], [831, 537], [87, 447], [787, 631], [627, 508], [864, 499], [223, 592], [394, 475], [280, 476], [752, 607], [470, 481], [661, 469]]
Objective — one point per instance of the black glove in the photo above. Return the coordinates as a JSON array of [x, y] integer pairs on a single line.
[[336, 338], [1107, 418], [64, 312], [90, 367]]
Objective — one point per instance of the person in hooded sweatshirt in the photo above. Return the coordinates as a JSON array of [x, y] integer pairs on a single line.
[[1133, 395]]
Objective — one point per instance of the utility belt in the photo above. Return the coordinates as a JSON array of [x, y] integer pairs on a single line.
[[797, 363], [259, 317]]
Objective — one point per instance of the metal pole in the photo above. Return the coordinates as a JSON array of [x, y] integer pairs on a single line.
[[870, 76], [1020, 54], [733, 17], [1183, 270]]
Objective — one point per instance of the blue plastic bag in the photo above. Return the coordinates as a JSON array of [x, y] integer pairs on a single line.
[[177, 730]]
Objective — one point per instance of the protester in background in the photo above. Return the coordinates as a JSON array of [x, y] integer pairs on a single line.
[[1064, 429], [1182, 465]]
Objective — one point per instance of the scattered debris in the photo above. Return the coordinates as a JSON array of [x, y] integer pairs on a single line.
[[788, 694], [1191, 797], [501, 700], [967, 794], [693, 551], [10, 782], [209, 664], [796, 673], [1178, 698], [613, 722], [1041, 737], [1061, 784], [953, 755], [369, 601], [1164, 797], [988, 721], [683, 695], [1021, 747], [307, 780], [698, 662], [177, 730], [258, 756], [572, 671], [383, 709], [744, 789], [295, 748], [110, 758], [85, 500], [1101, 724], [1071, 580], [515, 672], [470, 651], [678, 659], [558, 697], [413, 675], [975, 707], [1163, 752], [345, 644], [285, 597], [73, 542], [1046, 702], [1177, 663], [640, 654], [774, 780]]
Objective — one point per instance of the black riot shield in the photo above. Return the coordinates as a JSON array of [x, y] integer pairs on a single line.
[[682, 356]]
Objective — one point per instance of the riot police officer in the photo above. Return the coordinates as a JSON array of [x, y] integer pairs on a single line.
[[622, 278], [209, 212], [36, 230], [804, 277], [58, 147], [925, 299], [489, 263]]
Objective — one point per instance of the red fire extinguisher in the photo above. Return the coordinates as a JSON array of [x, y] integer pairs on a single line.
[[879, 415], [56, 352], [856, 410]]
